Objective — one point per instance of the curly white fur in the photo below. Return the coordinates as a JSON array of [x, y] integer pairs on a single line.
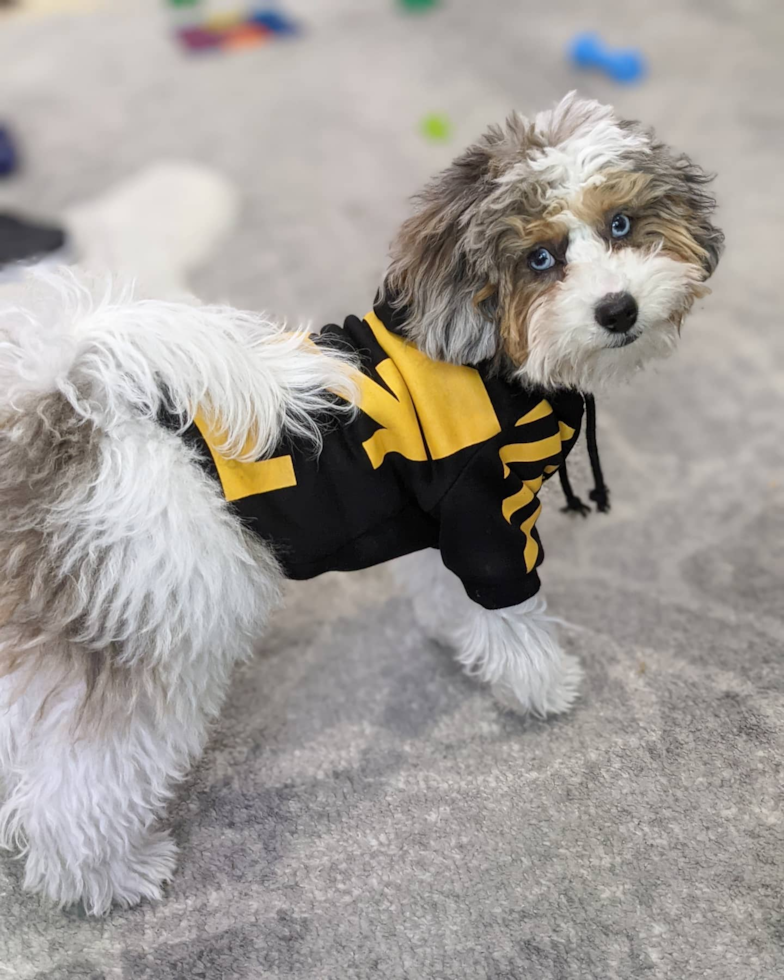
[[116, 357], [129, 591], [515, 650]]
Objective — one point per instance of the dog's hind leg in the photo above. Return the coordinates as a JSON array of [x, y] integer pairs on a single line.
[[128, 591], [80, 807]]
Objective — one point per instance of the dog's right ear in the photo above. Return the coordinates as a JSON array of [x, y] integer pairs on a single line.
[[442, 279]]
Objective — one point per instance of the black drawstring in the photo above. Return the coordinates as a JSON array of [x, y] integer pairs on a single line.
[[573, 502], [600, 494]]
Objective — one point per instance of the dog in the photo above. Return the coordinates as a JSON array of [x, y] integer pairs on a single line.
[[164, 466]]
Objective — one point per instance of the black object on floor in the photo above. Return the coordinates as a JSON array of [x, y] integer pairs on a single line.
[[21, 241]]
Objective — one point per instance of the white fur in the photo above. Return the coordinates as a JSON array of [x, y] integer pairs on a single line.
[[584, 138], [515, 650], [185, 593], [95, 338], [188, 602], [566, 344]]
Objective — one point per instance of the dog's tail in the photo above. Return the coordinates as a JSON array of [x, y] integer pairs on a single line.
[[114, 356]]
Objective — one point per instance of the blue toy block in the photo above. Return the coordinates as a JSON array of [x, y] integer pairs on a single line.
[[274, 21], [622, 65], [8, 157]]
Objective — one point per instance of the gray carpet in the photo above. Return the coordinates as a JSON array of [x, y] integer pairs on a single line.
[[363, 810]]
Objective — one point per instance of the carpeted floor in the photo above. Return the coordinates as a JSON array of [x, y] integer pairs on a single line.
[[363, 810]]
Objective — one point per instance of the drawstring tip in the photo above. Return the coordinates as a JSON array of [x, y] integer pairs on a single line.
[[575, 506], [601, 497], [573, 503]]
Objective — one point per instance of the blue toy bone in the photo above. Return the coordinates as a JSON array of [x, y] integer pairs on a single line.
[[622, 65], [8, 159], [274, 21]]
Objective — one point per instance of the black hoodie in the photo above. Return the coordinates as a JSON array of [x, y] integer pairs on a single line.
[[438, 456]]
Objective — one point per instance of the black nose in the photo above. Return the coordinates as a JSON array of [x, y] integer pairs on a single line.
[[616, 312]]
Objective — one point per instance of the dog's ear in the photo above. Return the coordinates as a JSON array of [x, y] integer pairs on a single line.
[[701, 206], [685, 202], [437, 274]]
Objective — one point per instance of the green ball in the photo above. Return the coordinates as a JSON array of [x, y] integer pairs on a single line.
[[436, 127], [418, 4]]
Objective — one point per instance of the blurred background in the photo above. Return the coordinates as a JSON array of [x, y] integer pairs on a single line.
[[364, 810], [320, 132]]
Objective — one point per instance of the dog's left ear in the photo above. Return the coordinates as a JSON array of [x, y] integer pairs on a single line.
[[684, 198], [701, 206], [435, 275]]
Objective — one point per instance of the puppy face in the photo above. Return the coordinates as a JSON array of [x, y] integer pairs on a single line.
[[568, 248]]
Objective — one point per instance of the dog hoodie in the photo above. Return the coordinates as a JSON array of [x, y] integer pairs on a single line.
[[437, 456]]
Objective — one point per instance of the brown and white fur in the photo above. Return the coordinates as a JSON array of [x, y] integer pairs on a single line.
[[128, 588]]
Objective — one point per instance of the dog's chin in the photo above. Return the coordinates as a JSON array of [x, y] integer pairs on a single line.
[[624, 340], [625, 356], [602, 362]]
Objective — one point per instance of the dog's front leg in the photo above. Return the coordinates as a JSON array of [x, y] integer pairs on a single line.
[[515, 650]]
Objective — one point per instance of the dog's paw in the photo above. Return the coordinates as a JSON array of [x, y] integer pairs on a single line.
[[124, 879], [554, 695]]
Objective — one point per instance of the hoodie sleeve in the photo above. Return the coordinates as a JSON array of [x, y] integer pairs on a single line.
[[488, 534]]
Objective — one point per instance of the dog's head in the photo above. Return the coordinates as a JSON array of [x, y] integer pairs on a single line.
[[568, 248]]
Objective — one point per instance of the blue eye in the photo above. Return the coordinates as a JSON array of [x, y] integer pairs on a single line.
[[620, 226], [540, 260]]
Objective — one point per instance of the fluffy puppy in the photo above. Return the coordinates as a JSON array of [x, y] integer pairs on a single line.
[[163, 468]]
